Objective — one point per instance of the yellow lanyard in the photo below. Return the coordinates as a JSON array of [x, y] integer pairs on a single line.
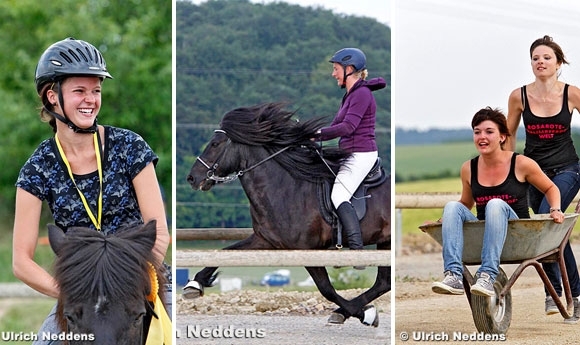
[[96, 221]]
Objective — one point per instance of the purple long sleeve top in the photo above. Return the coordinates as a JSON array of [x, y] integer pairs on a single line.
[[355, 121]]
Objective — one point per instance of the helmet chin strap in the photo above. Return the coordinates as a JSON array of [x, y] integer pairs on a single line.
[[90, 130], [345, 75]]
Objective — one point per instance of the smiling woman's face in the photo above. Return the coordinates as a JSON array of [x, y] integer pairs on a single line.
[[487, 137], [82, 100]]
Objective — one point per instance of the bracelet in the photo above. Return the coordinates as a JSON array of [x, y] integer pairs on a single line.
[[555, 209]]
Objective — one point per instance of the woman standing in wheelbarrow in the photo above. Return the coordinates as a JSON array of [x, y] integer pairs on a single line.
[[546, 107], [497, 183]]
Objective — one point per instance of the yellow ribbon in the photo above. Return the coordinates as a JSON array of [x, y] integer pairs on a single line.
[[160, 329], [96, 221]]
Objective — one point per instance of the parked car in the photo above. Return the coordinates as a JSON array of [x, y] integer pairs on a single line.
[[276, 278]]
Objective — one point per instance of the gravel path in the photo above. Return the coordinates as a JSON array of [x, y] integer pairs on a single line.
[[287, 318], [279, 330]]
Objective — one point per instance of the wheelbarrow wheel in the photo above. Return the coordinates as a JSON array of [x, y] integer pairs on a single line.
[[492, 315]]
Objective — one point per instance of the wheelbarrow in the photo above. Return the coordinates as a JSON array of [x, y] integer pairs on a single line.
[[529, 242]]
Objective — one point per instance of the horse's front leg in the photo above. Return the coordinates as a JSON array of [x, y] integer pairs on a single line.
[[367, 314], [207, 276], [347, 308], [195, 287]]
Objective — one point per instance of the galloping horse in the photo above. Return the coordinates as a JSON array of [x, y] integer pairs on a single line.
[[280, 169], [106, 284]]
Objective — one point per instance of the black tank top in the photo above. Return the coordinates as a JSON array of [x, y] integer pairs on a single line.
[[512, 191], [548, 139]]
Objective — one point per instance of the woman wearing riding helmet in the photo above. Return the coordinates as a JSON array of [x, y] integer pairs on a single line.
[[90, 175], [354, 124]]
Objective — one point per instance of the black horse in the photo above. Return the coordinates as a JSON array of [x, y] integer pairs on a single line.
[[280, 169], [106, 284]]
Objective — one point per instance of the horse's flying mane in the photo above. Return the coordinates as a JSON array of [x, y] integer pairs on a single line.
[[272, 126]]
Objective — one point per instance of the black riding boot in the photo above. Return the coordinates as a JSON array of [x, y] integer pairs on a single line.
[[350, 224]]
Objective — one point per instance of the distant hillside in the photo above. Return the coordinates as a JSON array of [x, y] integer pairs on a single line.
[[432, 136], [437, 136]]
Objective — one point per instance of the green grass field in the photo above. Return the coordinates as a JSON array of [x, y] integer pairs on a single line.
[[412, 218], [24, 315], [416, 161], [432, 159]]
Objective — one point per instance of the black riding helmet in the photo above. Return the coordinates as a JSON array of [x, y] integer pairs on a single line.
[[350, 57], [68, 58]]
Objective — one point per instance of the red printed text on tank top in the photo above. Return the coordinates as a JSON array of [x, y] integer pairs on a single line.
[[545, 131], [482, 200]]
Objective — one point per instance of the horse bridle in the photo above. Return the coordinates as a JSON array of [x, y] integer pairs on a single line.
[[234, 176]]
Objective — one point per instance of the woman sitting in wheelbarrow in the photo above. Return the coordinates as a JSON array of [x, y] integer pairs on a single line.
[[496, 182]]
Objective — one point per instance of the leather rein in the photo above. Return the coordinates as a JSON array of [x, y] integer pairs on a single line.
[[234, 176]]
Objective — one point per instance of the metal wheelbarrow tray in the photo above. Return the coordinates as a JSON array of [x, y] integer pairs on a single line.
[[529, 242]]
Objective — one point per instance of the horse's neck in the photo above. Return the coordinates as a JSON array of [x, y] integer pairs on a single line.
[[269, 183]]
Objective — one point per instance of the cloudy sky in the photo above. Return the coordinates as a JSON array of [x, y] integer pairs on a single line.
[[453, 57]]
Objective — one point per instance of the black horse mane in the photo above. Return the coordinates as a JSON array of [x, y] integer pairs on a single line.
[[92, 264], [272, 126]]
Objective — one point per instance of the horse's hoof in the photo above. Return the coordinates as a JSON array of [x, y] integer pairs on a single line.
[[192, 290], [336, 318], [371, 317]]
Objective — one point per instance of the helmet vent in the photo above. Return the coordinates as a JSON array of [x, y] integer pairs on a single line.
[[346, 58], [74, 55], [98, 57], [66, 57], [83, 54], [55, 62]]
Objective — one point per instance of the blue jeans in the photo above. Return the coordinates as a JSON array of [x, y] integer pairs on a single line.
[[568, 181], [497, 214]]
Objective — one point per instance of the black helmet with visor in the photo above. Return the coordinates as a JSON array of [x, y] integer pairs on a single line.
[[68, 58]]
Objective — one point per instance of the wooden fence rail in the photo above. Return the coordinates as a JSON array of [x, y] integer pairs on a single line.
[[209, 234], [281, 258]]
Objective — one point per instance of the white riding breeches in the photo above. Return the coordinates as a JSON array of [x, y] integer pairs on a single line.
[[351, 174]]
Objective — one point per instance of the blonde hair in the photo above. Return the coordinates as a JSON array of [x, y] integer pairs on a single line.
[[363, 74]]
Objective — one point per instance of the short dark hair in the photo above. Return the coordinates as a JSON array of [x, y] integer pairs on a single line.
[[494, 115]]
